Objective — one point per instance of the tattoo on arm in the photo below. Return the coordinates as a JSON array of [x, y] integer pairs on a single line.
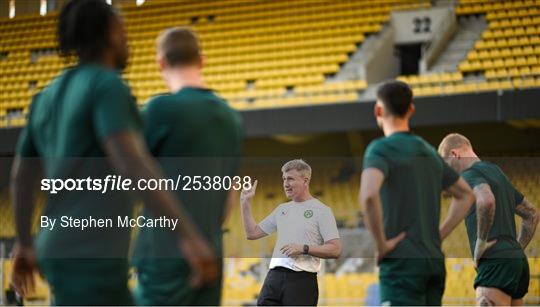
[[529, 221], [485, 210]]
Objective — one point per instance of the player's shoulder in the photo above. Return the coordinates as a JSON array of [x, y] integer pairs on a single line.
[[422, 143], [99, 73], [474, 171], [223, 103], [223, 110], [215, 94], [377, 144], [158, 98], [47, 93], [490, 170], [481, 166], [102, 78], [156, 102]]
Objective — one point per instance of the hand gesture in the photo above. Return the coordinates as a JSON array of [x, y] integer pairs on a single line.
[[247, 195]]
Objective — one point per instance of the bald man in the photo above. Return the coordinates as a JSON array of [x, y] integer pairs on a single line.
[[502, 268]]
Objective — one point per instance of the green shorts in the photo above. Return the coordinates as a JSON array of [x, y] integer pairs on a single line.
[[166, 282], [510, 275], [87, 281], [412, 281]]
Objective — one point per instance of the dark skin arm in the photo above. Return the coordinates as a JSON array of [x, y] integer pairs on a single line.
[[130, 158], [25, 174]]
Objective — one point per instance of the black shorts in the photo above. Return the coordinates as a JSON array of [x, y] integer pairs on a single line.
[[510, 275], [283, 286], [412, 282]]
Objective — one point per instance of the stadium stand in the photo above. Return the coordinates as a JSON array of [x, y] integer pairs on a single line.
[[506, 56], [7, 223], [257, 56], [508, 52]]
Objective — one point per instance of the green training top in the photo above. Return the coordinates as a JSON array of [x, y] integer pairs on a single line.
[[192, 133], [67, 124], [414, 177], [506, 200]]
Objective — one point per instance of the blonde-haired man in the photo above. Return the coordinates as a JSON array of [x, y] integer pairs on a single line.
[[192, 122], [306, 230], [502, 268]]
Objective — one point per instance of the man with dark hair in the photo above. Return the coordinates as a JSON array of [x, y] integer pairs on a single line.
[[403, 176], [88, 113], [502, 277], [396, 97], [196, 134]]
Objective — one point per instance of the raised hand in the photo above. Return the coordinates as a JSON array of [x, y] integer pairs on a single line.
[[247, 195]]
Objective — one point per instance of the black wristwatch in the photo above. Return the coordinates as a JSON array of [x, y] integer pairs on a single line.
[[306, 249]]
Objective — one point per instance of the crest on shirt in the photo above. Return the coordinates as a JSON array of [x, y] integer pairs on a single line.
[[308, 214]]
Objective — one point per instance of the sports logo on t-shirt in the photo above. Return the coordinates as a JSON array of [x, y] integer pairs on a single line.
[[308, 214]]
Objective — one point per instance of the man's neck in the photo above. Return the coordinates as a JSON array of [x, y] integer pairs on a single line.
[[395, 125], [303, 198], [471, 159], [106, 60], [185, 77]]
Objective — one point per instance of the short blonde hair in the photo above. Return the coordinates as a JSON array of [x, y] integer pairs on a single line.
[[179, 46], [298, 164], [453, 141]]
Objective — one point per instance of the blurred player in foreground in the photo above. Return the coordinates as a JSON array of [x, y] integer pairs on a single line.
[[403, 176], [502, 267], [88, 113], [306, 232], [194, 133]]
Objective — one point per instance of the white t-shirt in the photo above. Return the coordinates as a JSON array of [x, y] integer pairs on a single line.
[[310, 222]]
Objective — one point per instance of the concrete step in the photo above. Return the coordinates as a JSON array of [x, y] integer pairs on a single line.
[[470, 30]]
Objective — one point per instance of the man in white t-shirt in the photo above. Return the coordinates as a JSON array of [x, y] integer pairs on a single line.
[[306, 232]]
